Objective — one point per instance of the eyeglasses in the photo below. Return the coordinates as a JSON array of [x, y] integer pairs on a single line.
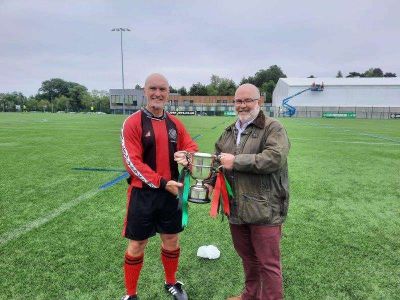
[[246, 101]]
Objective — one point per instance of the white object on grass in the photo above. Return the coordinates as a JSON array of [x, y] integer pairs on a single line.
[[210, 252]]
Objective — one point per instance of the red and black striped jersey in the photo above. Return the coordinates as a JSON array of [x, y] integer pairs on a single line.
[[148, 144]]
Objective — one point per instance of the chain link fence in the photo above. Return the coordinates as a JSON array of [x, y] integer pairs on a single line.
[[358, 112]]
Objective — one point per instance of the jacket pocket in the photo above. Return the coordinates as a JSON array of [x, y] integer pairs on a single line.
[[255, 209]]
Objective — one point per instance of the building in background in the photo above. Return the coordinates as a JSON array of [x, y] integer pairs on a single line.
[[134, 98], [338, 97], [177, 104]]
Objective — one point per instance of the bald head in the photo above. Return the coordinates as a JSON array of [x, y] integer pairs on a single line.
[[247, 90], [155, 77], [156, 90]]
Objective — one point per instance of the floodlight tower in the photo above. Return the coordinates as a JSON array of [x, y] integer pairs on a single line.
[[121, 30]]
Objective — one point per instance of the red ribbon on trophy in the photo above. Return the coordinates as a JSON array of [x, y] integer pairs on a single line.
[[222, 191]]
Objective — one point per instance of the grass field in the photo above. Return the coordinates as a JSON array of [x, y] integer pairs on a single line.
[[60, 235]]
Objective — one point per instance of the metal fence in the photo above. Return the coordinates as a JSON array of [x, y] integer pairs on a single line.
[[358, 112]]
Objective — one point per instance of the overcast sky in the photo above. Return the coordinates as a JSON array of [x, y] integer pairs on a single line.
[[188, 41]]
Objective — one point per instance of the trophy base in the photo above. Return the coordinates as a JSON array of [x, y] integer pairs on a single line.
[[199, 201], [198, 194]]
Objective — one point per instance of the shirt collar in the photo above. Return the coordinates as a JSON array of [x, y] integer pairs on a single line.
[[244, 125], [151, 116]]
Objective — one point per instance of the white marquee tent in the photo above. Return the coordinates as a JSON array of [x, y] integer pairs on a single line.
[[350, 92]]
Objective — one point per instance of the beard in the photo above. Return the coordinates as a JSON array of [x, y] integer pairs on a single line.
[[248, 115]]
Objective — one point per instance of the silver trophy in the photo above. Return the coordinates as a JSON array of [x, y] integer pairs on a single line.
[[200, 166]]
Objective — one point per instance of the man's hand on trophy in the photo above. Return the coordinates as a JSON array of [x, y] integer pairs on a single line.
[[226, 160], [173, 186], [181, 158]]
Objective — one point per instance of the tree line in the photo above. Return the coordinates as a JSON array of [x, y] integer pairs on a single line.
[[264, 79], [371, 72], [59, 95]]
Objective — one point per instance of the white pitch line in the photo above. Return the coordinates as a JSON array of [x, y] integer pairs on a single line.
[[345, 142], [346, 129], [16, 233]]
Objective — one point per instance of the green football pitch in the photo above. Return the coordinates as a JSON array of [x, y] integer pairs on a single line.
[[60, 233]]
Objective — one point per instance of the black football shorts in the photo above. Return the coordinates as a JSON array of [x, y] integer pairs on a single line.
[[151, 211]]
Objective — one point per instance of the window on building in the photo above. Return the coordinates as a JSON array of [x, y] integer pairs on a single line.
[[115, 99]]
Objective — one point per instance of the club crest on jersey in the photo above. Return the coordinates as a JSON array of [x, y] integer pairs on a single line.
[[172, 135]]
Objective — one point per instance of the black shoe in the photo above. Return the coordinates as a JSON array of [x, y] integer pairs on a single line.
[[176, 291], [127, 297]]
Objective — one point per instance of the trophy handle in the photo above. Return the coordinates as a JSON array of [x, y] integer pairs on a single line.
[[189, 156]]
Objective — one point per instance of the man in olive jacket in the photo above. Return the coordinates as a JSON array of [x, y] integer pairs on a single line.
[[253, 152]]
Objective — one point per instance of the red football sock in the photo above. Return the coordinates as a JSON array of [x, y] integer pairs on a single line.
[[170, 260], [132, 267]]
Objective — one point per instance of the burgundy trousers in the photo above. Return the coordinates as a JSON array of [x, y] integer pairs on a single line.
[[259, 248]]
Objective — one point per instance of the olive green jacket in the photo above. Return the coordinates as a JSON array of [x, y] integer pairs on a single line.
[[259, 178]]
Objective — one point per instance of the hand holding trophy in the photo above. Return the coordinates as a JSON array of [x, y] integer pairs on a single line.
[[200, 166]]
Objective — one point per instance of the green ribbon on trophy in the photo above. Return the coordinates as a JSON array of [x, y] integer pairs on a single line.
[[183, 195], [200, 166], [228, 187]]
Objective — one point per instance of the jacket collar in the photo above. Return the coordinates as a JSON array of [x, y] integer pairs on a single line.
[[260, 120]]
